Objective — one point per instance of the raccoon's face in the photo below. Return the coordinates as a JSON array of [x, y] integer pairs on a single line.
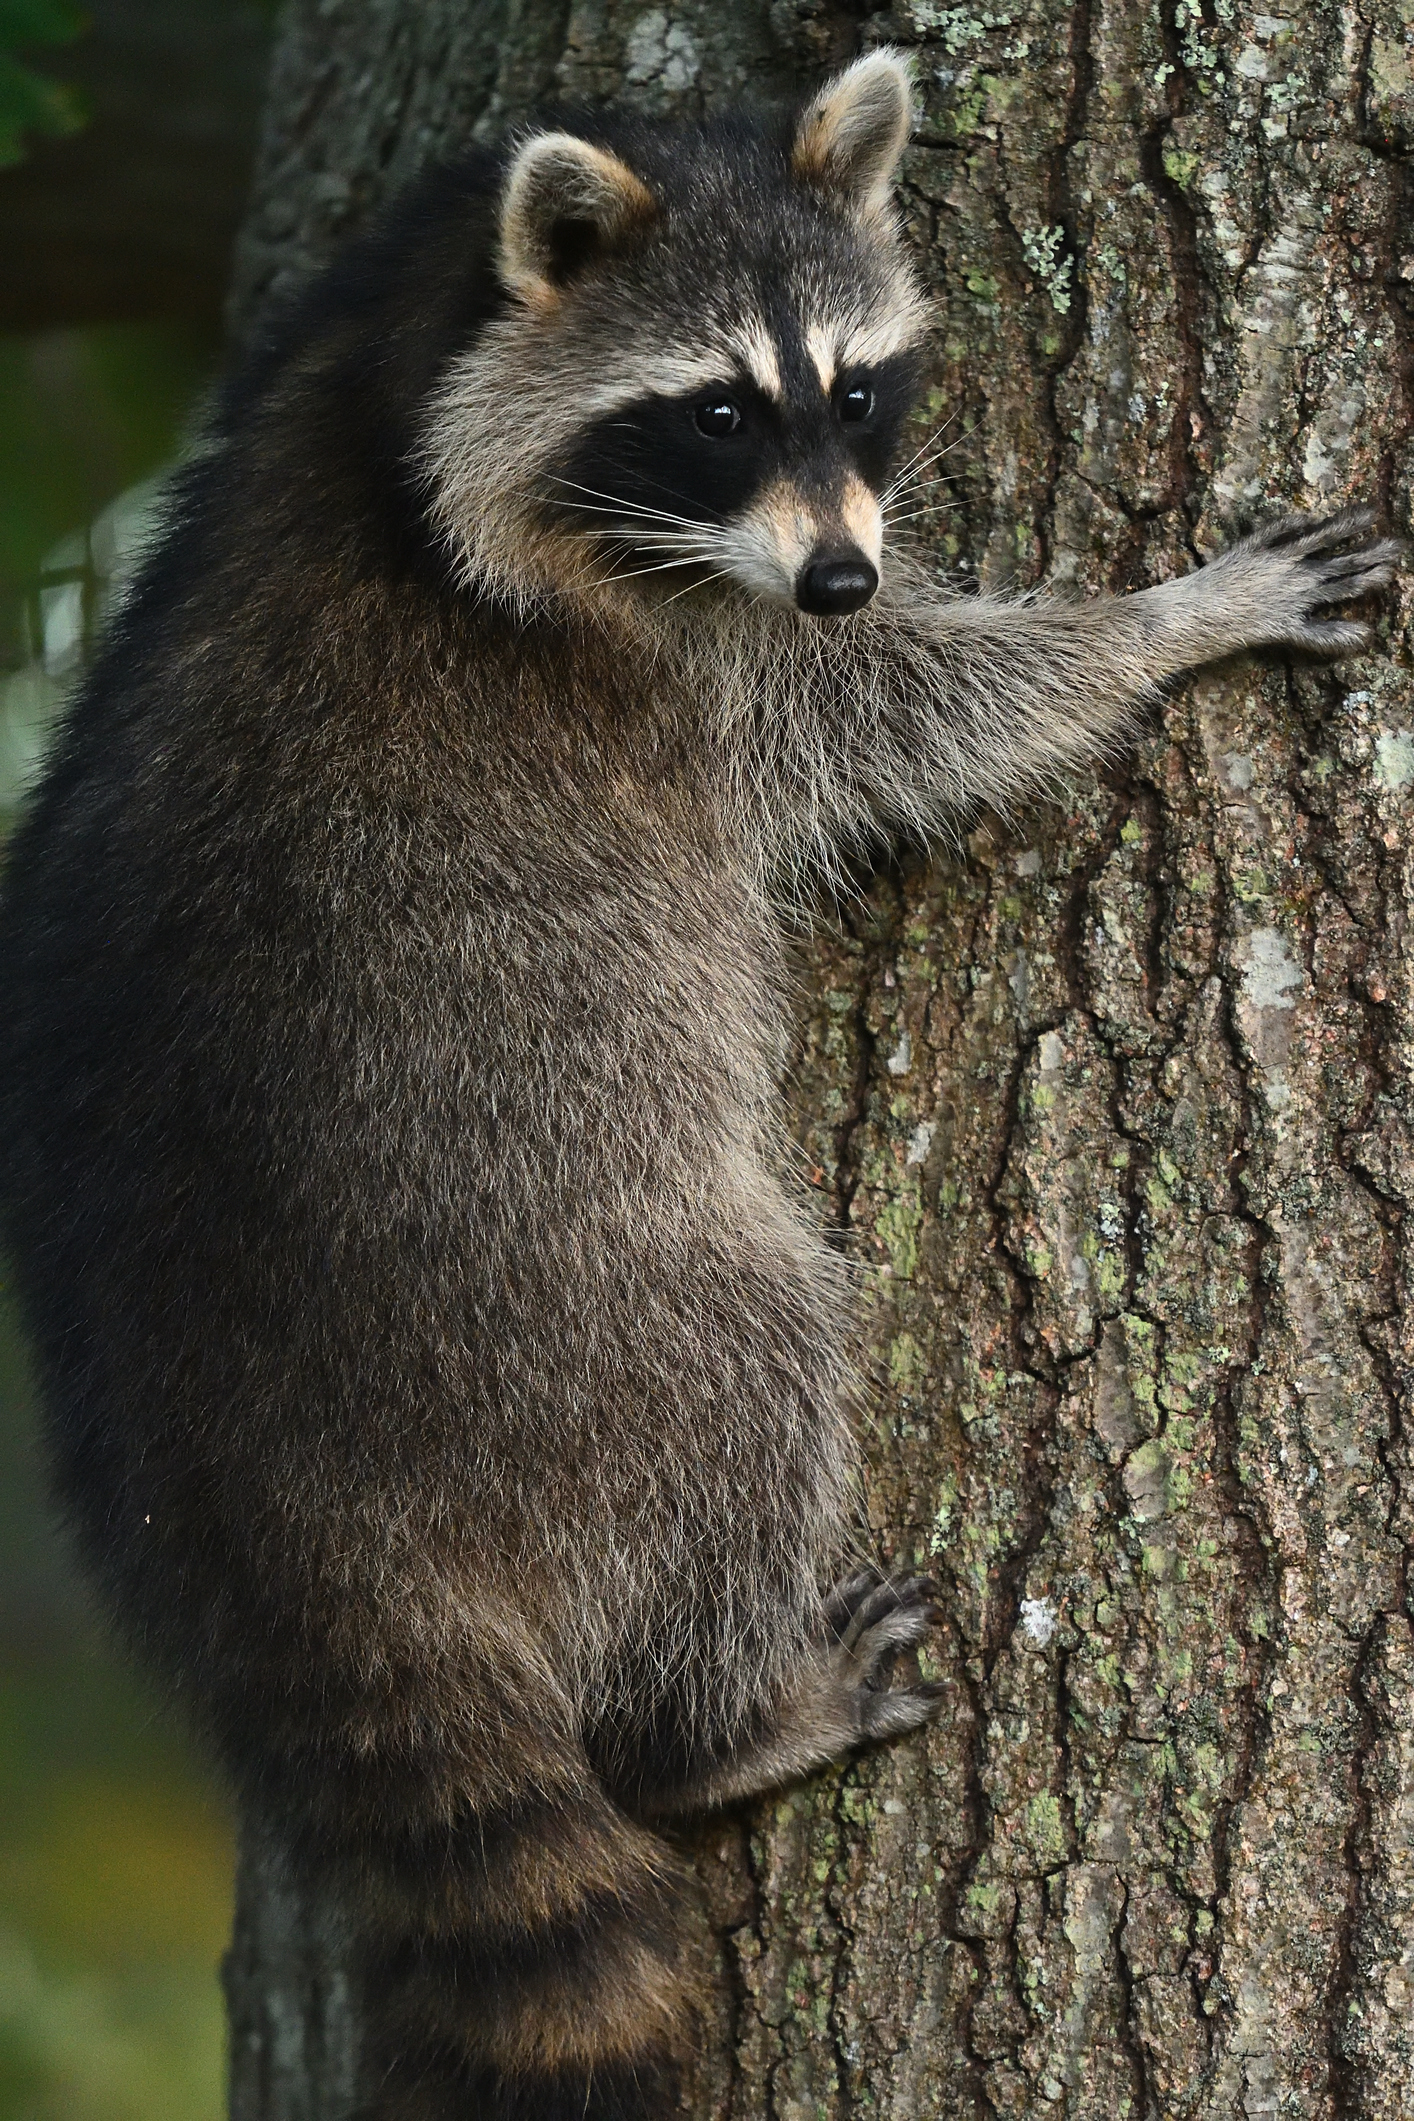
[[706, 366], [768, 471]]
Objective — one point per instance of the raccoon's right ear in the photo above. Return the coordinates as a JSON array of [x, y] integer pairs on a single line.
[[565, 203], [850, 136]]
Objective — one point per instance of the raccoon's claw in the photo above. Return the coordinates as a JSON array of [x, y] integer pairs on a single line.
[[1331, 637], [869, 1600], [1297, 566], [1338, 557], [894, 1616], [841, 1602], [899, 1709], [871, 1618], [1305, 531]]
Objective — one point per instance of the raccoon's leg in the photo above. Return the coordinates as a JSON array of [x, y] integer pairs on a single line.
[[838, 1700], [1267, 591], [986, 697]]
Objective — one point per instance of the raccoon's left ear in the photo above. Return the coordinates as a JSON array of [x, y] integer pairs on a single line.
[[565, 202], [850, 136]]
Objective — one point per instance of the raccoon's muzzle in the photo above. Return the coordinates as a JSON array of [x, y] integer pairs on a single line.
[[830, 585]]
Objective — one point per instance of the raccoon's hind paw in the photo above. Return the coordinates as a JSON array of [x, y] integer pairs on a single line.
[[869, 1619], [838, 1699], [1296, 567]]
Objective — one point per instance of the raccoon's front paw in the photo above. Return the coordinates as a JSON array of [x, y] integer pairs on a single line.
[[869, 1618], [1283, 575]]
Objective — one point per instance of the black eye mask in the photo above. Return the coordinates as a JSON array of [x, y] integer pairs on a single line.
[[705, 456]]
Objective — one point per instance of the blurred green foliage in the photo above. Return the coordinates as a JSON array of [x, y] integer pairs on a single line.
[[87, 417], [115, 1851], [115, 1890], [85, 414], [30, 102]]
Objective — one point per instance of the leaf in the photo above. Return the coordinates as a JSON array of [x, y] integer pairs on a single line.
[[32, 103]]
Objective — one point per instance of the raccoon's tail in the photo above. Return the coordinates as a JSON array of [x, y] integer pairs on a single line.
[[527, 1969]]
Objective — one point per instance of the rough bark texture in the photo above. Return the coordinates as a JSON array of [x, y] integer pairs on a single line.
[[1116, 1102]]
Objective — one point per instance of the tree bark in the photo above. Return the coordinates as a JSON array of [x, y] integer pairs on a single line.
[[1114, 1102]]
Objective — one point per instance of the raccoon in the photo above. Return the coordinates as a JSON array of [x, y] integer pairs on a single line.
[[447, 1383]]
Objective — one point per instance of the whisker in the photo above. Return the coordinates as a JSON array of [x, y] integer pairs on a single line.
[[627, 507], [682, 555], [922, 466], [663, 487], [701, 584], [686, 547], [920, 475], [706, 533], [929, 508], [632, 574], [929, 439], [904, 469], [926, 470], [686, 559]]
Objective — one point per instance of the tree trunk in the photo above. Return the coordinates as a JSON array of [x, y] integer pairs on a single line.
[[1115, 1102]]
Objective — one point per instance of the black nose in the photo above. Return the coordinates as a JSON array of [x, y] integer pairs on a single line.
[[835, 583]]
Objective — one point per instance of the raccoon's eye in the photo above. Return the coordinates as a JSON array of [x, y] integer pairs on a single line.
[[857, 404], [720, 417]]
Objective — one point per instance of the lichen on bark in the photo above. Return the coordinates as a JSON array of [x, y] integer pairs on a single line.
[[1111, 1105]]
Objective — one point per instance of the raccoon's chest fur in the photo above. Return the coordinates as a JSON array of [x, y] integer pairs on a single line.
[[460, 1020]]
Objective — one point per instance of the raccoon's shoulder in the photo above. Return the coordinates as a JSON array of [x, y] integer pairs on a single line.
[[379, 321], [301, 500]]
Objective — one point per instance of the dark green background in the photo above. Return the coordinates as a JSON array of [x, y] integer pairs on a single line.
[[115, 226]]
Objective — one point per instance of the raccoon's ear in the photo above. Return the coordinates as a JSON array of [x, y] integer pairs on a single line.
[[850, 136], [565, 203]]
